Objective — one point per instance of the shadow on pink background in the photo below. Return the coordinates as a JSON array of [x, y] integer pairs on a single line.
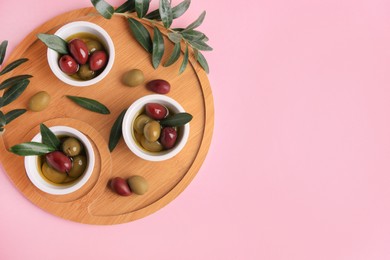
[[298, 168]]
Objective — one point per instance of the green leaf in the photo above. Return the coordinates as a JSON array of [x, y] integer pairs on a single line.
[[31, 148], [90, 104], [13, 65], [175, 37], [141, 7], [166, 13], [192, 35], [128, 6], [174, 56], [3, 120], [203, 62], [116, 131], [54, 42], [158, 47], [49, 138], [178, 119], [13, 114], [14, 92], [197, 22], [3, 49], [180, 9], [105, 9], [154, 15], [13, 80], [141, 34], [185, 61], [201, 45]]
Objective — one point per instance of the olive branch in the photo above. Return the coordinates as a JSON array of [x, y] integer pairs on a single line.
[[136, 10]]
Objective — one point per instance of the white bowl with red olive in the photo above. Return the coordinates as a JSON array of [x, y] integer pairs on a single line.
[[87, 57], [156, 127]]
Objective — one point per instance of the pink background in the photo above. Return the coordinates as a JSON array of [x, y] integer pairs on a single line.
[[299, 163]]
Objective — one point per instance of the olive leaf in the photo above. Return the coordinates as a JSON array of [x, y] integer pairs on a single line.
[[177, 119], [128, 6], [158, 47], [185, 61], [141, 34], [197, 22], [105, 9], [175, 37], [3, 120], [13, 65], [13, 80], [192, 35], [116, 131], [203, 62], [54, 42], [177, 11], [90, 104], [165, 11], [13, 114], [48, 137], [31, 148], [141, 7], [201, 45], [174, 56], [3, 49], [14, 92]]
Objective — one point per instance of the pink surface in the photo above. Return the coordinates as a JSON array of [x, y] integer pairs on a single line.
[[298, 167]]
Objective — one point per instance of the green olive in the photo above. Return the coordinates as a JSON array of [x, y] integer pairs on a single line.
[[140, 122], [152, 131], [71, 146], [151, 146], [138, 184], [53, 175], [85, 72], [78, 167], [133, 78], [39, 101], [93, 46]]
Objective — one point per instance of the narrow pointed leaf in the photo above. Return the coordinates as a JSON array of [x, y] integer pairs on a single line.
[[116, 131], [49, 138], [31, 148], [90, 104], [180, 9], [128, 6], [174, 56], [185, 61], [192, 35], [13, 114], [201, 45], [3, 49], [141, 34], [197, 22], [158, 47], [13, 65], [13, 80], [105, 9], [154, 15], [177, 119], [166, 13], [203, 62], [54, 42], [141, 7], [175, 37], [3, 120], [14, 92]]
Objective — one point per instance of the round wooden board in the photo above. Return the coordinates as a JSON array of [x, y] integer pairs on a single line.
[[95, 203]]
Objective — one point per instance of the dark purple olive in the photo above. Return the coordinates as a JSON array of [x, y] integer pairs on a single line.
[[156, 111], [59, 161], [159, 86], [98, 60], [79, 50], [168, 137], [120, 186], [68, 65]]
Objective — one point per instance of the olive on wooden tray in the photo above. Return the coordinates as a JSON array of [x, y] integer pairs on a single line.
[[39, 101], [138, 184], [133, 78], [159, 86], [120, 186]]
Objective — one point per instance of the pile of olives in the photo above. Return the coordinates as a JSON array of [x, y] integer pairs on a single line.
[[65, 165], [148, 131], [135, 184], [86, 59]]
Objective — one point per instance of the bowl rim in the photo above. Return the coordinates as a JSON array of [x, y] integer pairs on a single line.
[[129, 118], [30, 164]]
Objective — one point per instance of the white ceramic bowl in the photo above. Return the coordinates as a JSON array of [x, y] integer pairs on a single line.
[[131, 114], [31, 164], [78, 27]]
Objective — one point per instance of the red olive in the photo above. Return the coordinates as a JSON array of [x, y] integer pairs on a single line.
[[159, 86], [168, 137], [120, 186], [59, 161], [156, 111], [68, 65], [98, 60], [79, 50]]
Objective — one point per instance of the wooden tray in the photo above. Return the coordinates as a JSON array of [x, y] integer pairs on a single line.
[[96, 203]]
